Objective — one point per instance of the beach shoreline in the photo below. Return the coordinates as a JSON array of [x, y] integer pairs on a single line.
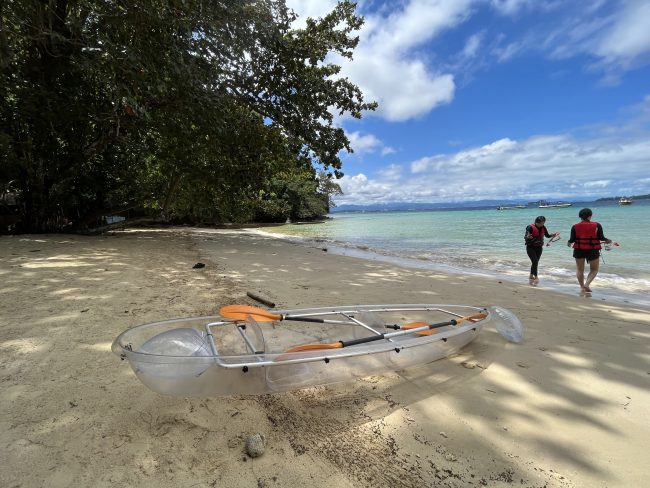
[[567, 285], [568, 407]]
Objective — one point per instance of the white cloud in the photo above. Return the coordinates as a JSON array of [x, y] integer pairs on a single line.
[[615, 34], [510, 7], [395, 65], [363, 189], [310, 8], [597, 184], [421, 165], [508, 51], [391, 172], [368, 143], [388, 65], [363, 143], [627, 41], [540, 167], [472, 46], [465, 159], [413, 25], [403, 89]]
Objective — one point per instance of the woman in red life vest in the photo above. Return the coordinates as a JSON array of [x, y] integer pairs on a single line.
[[534, 239], [586, 237]]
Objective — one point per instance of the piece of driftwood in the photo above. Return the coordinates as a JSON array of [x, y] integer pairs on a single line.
[[258, 298]]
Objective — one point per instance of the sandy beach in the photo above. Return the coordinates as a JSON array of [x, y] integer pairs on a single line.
[[570, 407]]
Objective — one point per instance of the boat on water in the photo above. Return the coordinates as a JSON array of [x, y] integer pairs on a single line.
[[511, 207], [249, 350], [545, 204], [625, 201]]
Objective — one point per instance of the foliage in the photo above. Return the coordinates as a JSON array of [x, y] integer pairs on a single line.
[[295, 196], [192, 109]]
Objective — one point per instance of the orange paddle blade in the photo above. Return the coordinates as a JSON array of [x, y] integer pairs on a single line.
[[242, 312], [415, 325], [315, 347], [471, 318]]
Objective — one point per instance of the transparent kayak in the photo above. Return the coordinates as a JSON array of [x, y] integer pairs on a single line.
[[261, 351]]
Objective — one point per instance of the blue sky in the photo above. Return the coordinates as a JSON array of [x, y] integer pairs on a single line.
[[497, 99]]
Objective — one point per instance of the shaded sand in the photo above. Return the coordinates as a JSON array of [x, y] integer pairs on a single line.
[[569, 407]]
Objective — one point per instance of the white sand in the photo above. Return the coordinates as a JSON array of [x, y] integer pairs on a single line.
[[569, 407]]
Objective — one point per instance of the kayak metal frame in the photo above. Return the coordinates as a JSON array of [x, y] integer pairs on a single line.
[[325, 354]]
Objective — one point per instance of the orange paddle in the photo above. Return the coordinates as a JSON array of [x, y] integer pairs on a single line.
[[420, 328], [242, 312]]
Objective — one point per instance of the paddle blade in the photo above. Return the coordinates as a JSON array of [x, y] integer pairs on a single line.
[[315, 347], [471, 318], [507, 324], [415, 325], [242, 312]]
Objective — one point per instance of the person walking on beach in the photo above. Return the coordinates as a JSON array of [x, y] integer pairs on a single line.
[[586, 237], [534, 239]]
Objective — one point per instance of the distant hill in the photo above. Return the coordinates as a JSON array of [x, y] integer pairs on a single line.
[[633, 197], [406, 206], [478, 204]]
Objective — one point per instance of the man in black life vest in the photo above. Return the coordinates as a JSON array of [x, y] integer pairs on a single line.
[[586, 237]]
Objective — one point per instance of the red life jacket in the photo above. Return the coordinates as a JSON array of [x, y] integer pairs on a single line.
[[586, 235], [537, 234]]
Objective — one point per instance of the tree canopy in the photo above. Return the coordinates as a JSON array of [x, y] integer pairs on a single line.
[[207, 111]]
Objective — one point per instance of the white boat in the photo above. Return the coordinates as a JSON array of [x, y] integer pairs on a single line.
[[545, 204], [625, 201], [248, 350], [511, 207]]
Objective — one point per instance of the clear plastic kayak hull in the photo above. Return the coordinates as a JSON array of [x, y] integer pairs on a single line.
[[212, 356]]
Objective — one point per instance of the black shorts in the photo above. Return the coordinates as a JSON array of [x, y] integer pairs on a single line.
[[588, 254]]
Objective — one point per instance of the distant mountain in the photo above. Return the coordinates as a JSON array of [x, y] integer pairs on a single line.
[[412, 206], [633, 197], [478, 204]]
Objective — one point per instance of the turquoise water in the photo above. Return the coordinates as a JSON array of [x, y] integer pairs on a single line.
[[490, 241]]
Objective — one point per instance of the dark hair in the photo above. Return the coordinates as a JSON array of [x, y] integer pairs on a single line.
[[585, 213], [541, 218]]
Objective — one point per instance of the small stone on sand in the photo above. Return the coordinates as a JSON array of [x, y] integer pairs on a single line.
[[255, 445]]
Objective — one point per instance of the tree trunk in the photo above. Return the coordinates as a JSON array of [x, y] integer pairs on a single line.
[[173, 186]]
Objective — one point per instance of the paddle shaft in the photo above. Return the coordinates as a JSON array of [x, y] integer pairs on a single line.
[[304, 319], [554, 238], [363, 340]]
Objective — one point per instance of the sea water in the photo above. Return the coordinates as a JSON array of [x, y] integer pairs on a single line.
[[491, 242]]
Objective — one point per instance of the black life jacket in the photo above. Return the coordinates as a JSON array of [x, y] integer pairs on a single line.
[[586, 235]]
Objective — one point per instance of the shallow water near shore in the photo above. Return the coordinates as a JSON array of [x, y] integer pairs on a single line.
[[489, 242]]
